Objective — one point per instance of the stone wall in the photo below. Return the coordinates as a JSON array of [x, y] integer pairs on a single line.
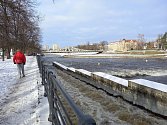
[[147, 94]]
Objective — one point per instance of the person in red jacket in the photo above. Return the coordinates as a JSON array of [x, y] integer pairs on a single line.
[[19, 59]]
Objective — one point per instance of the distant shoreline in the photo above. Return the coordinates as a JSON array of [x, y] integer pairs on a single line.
[[116, 56], [108, 55]]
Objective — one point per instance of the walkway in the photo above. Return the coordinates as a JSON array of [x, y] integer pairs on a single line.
[[25, 103]]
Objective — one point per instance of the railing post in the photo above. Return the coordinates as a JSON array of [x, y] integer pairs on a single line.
[[50, 97], [43, 73], [46, 83]]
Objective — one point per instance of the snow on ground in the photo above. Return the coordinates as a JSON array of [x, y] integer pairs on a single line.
[[8, 73], [21, 98], [112, 78], [74, 53], [151, 84], [64, 67], [84, 71]]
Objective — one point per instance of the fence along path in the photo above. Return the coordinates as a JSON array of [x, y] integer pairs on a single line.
[[62, 109]]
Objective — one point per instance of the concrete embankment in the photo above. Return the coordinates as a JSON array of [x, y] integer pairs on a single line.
[[148, 94]]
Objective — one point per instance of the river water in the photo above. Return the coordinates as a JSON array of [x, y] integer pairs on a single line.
[[154, 69]]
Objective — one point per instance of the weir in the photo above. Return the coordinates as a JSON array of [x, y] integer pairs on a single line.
[[144, 93]]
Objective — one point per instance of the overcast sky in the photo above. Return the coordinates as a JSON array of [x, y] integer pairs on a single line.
[[74, 22]]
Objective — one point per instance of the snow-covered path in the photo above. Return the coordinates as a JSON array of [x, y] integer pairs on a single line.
[[8, 74], [20, 100]]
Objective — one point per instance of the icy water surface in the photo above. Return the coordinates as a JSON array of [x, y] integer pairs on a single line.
[[154, 69]]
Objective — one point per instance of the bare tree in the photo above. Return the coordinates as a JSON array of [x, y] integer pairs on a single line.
[[141, 41], [19, 26], [5, 26]]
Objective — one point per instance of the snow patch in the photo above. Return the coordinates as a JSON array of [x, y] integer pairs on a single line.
[[62, 66], [84, 72], [112, 78], [8, 75], [71, 69], [151, 84]]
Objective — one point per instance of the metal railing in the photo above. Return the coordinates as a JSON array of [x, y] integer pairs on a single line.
[[62, 109]]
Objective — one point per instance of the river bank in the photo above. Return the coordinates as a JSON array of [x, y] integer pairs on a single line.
[[116, 56], [111, 54]]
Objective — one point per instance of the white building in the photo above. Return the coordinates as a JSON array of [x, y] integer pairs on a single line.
[[45, 47], [55, 47]]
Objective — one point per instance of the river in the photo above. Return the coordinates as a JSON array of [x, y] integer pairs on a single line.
[[154, 69]]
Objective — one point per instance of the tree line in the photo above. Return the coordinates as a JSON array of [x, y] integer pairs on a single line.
[[94, 46], [160, 44], [162, 39], [19, 26]]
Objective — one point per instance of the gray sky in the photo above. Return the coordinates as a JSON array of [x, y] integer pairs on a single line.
[[74, 22]]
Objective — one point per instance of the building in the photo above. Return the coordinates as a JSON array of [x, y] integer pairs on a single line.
[[164, 41], [123, 45], [113, 46], [45, 48], [55, 47], [161, 42], [130, 45]]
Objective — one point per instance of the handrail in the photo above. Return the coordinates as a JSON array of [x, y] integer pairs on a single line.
[[82, 118], [58, 99]]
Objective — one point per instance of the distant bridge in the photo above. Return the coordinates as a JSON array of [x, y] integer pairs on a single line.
[[84, 51]]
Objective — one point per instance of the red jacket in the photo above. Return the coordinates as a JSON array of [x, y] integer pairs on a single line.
[[19, 58]]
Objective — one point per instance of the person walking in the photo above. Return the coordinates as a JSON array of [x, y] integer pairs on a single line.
[[19, 59]]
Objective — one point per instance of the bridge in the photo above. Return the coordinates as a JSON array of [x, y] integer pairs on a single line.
[[70, 51]]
